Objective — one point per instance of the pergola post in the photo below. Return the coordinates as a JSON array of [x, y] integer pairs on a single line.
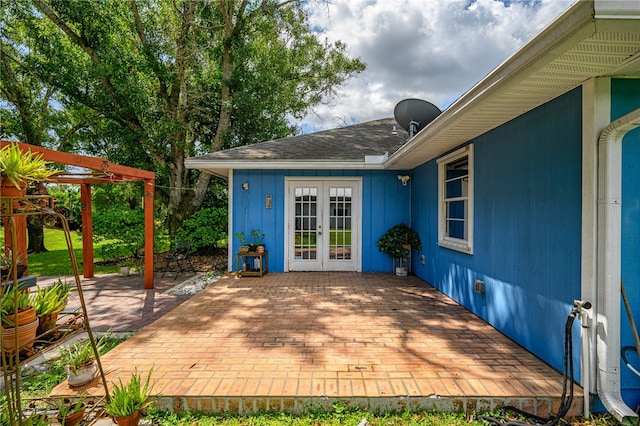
[[87, 230], [106, 172]]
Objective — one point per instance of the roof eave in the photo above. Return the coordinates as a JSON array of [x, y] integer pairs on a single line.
[[576, 24], [223, 168]]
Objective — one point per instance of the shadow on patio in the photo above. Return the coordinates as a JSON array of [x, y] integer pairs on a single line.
[[297, 340]]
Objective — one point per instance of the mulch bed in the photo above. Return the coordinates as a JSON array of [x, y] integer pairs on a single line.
[[214, 261]]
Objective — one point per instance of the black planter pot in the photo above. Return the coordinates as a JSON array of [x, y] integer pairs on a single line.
[[21, 270]]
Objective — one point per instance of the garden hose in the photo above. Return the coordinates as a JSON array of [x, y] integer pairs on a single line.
[[568, 381]]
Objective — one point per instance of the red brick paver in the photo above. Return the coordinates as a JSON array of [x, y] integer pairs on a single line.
[[295, 340]]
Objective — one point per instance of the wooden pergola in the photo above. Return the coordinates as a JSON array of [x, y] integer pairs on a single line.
[[103, 172]]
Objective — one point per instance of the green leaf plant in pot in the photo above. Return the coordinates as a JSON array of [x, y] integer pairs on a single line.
[[19, 169], [127, 400], [18, 318], [257, 241], [70, 411], [242, 247], [80, 362], [7, 261], [396, 241], [48, 303]]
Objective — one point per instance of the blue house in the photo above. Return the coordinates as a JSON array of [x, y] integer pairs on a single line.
[[528, 183]]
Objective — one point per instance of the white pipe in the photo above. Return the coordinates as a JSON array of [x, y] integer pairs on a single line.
[[609, 276]]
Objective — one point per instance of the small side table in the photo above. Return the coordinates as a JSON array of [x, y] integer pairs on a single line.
[[248, 259]]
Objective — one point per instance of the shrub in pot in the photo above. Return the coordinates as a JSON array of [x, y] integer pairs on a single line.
[[19, 169], [48, 303], [127, 400], [395, 240], [80, 361]]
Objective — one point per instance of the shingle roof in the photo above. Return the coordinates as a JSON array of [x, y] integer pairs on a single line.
[[350, 143]]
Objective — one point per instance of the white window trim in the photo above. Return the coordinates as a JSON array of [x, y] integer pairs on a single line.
[[465, 246]]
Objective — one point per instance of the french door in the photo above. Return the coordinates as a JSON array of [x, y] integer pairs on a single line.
[[323, 225]]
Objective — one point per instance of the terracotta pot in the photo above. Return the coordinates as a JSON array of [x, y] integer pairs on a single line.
[[47, 322], [82, 375], [130, 420], [26, 316], [72, 419], [7, 189], [260, 249], [26, 337]]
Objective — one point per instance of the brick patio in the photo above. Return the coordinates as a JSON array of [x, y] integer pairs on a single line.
[[298, 340]]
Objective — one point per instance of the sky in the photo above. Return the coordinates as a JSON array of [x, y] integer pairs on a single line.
[[434, 50]]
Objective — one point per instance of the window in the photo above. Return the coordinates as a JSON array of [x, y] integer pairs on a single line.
[[455, 199]]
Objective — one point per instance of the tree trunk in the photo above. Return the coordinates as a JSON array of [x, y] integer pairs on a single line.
[[36, 234]]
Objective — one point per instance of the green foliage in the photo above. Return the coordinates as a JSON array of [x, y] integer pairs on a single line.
[[256, 237], [13, 298], [68, 406], [47, 300], [396, 237], [67, 203], [128, 398], [206, 229], [81, 352], [22, 168], [122, 227], [151, 83]]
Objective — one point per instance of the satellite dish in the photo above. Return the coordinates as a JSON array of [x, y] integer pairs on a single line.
[[414, 114]]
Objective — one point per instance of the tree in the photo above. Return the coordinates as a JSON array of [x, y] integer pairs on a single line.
[[27, 113], [178, 77]]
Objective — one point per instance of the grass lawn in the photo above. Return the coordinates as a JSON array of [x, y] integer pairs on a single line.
[[56, 262]]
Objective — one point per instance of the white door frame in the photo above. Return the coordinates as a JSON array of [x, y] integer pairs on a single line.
[[356, 224]]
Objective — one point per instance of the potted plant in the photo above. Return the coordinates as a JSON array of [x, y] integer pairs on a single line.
[[18, 317], [19, 169], [257, 241], [48, 303], [396, 241], [70, 412], [127, 400], [80, 362], [6, 263], [242, 248]]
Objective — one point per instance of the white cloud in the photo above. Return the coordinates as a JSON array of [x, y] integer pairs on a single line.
[[429, 49]]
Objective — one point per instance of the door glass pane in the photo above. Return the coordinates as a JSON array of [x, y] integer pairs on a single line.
[[305, 223], [340, 223]]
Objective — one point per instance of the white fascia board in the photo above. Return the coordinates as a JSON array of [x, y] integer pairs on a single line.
[[617, 9], [576, 24], [222, 168]]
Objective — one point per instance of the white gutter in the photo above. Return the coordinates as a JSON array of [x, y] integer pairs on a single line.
[[609, 276]]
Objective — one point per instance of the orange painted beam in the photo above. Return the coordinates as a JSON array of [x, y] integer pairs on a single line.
[[93, 163], [87, 231]]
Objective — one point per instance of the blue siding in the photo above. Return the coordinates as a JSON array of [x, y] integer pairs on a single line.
[[385, 202], [527, 182], [625, 95]]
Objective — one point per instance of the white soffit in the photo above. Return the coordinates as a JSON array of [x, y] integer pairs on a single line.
[[572, 50]]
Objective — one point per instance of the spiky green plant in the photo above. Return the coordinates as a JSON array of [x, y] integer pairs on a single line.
[[20, 167], [128, 398], [47, 300], [13, 300], [81, 352]]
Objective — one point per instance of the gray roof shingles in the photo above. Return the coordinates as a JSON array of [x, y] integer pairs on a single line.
[[350, 143]]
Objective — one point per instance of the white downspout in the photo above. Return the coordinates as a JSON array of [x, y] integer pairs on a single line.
[[609, 276]]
